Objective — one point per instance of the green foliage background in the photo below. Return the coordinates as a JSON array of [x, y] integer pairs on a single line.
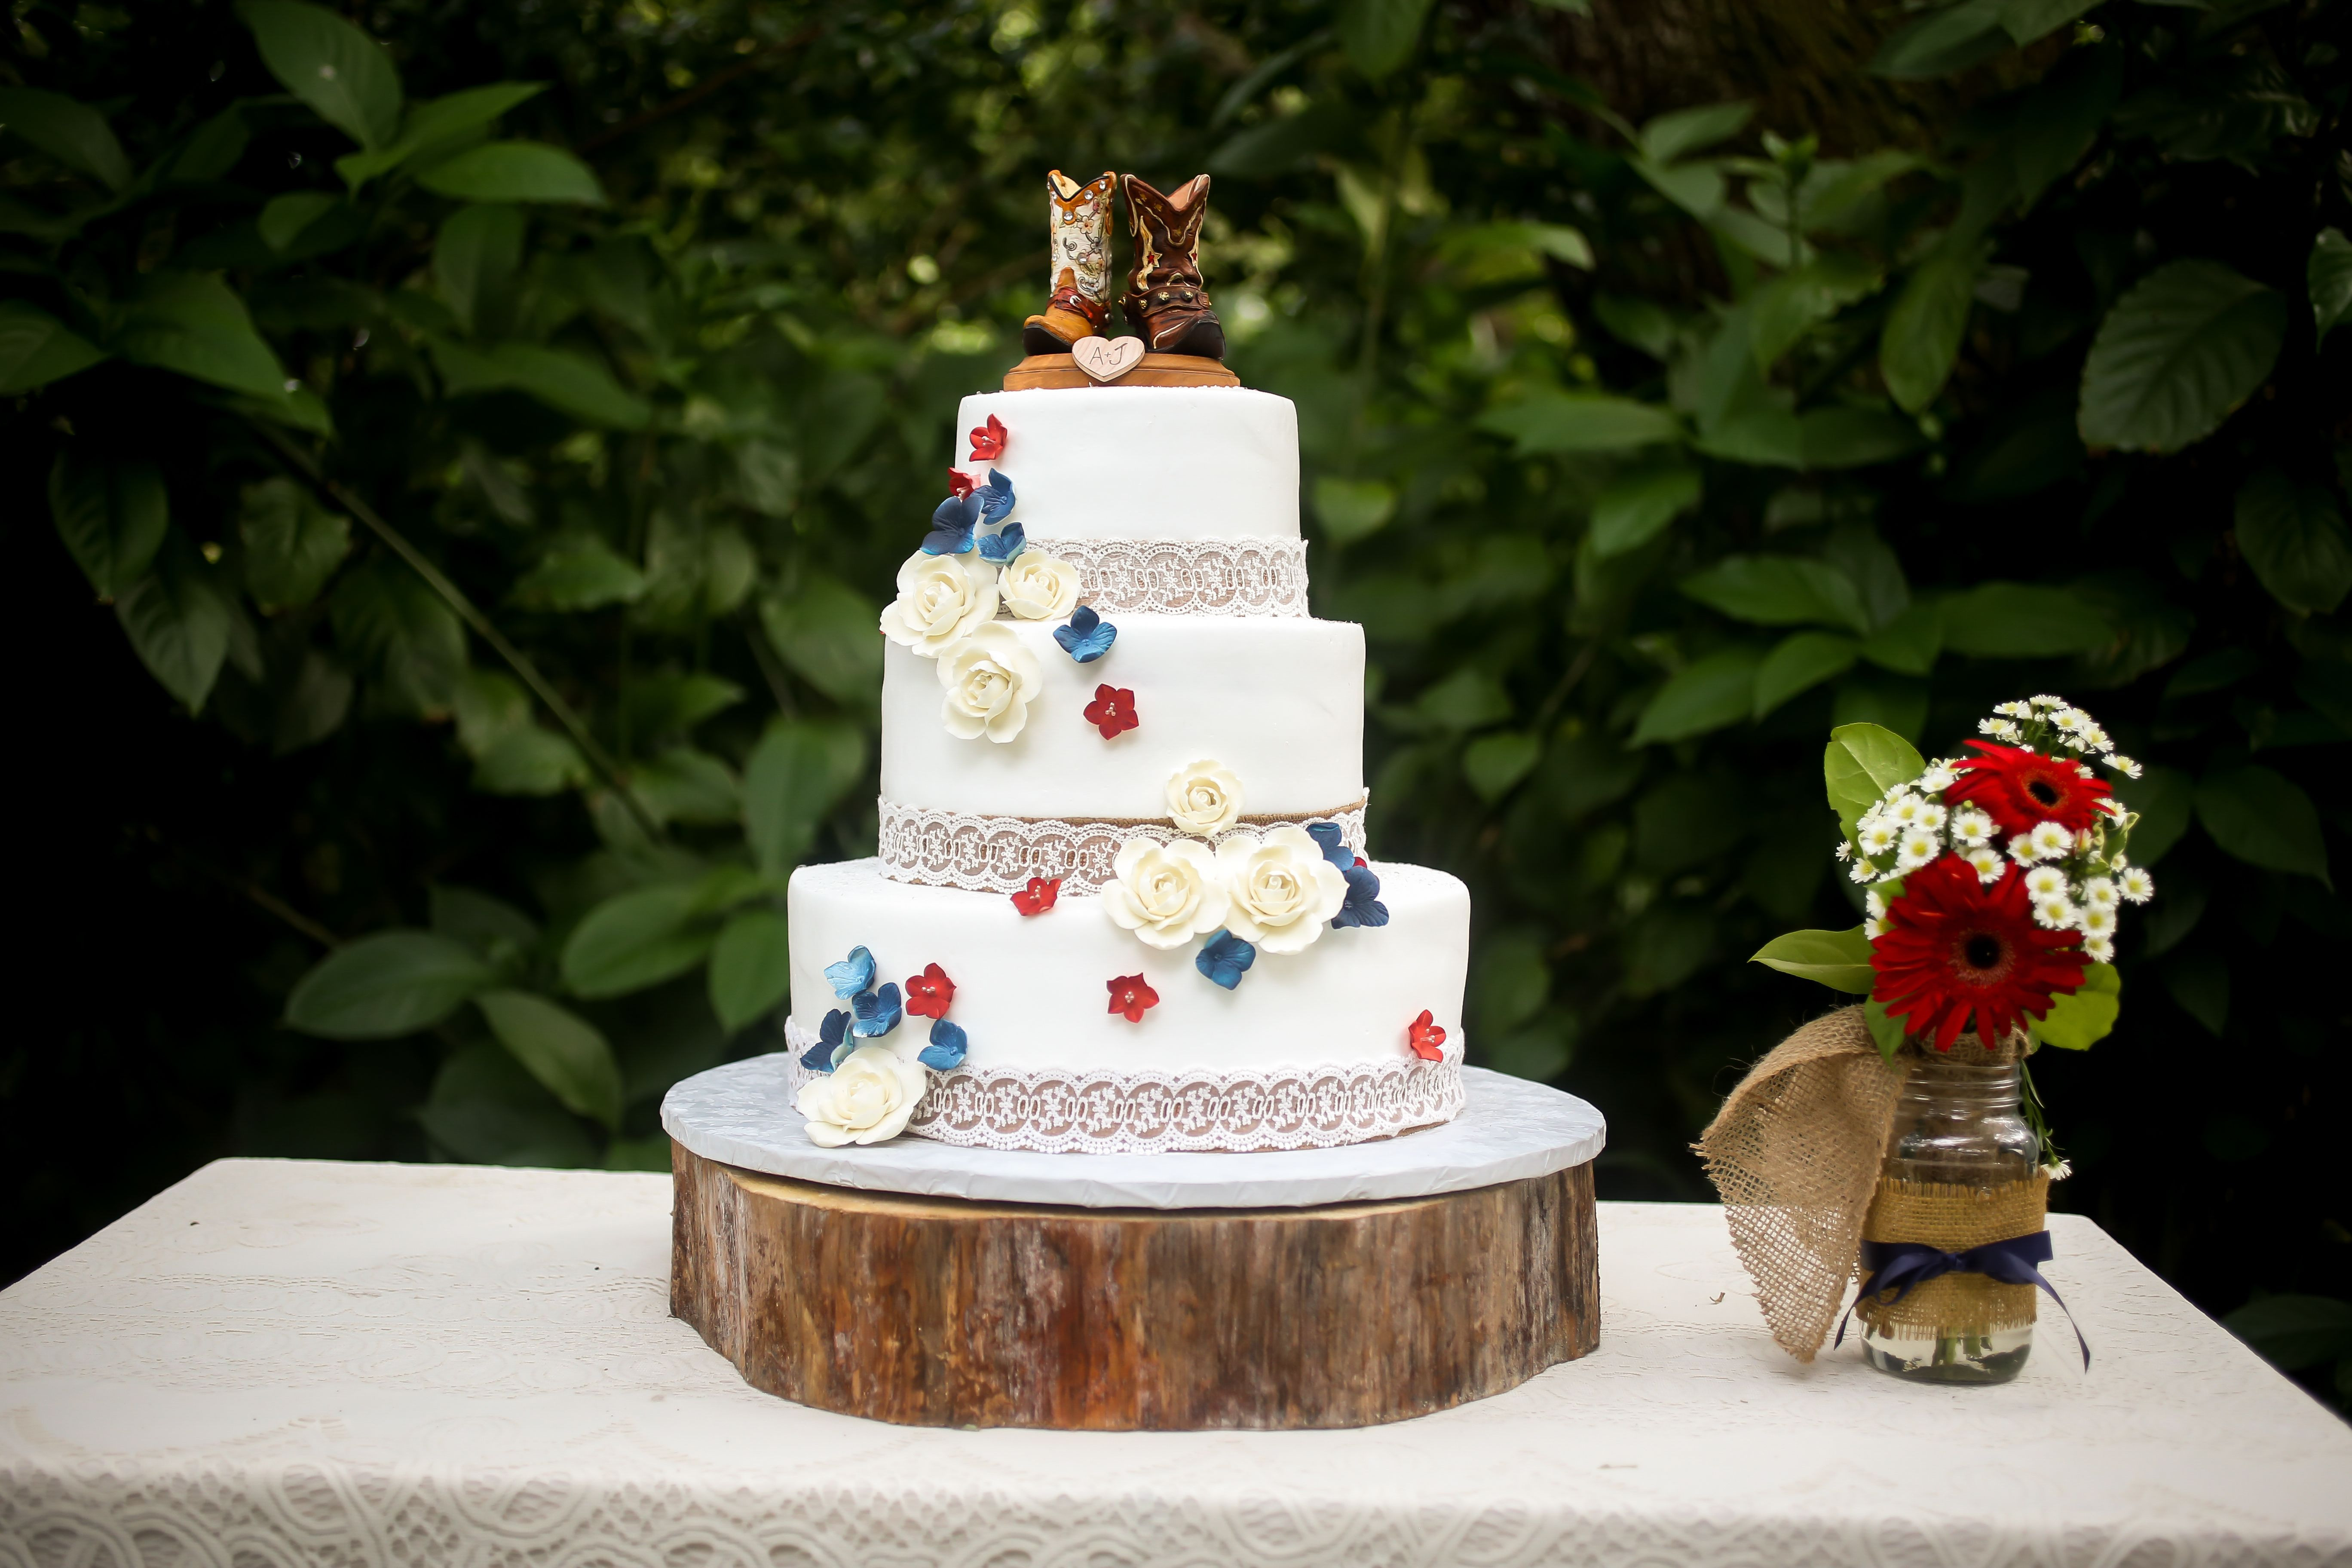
[[450, 524]]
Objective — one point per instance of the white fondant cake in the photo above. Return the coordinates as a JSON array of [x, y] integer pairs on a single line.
[[1120, 901]]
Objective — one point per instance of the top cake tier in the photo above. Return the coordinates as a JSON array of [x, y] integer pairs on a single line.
[[1145, 462]]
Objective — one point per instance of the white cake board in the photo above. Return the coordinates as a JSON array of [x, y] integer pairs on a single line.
[[1511, 1130]]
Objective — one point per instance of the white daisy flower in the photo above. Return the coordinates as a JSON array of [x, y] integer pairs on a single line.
[[1908, 811], [2100, 891], [1938, 778], [2014, 710], [2055, 912], [1876, 838], [1918, 848], [2125, 765], [1933, 817], [2046, 700], [2043, 881], [2096, 920], [2049, 840], [1874, 903], [1874, 928], [1999, 729], [1844, 850], [1973, 827], [2136, 884], [1988, 864], [2085, 771], [2099, 948], [2072, 722], [1864, 871]]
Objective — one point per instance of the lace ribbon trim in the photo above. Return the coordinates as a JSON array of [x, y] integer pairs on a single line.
[[999, 854], [1068, 1112], [1259, 576]]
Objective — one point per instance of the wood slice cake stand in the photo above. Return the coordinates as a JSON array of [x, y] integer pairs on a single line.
[[1154, 369], [935, 1286]]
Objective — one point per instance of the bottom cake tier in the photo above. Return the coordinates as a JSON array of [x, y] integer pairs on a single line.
[[1310, 1049]]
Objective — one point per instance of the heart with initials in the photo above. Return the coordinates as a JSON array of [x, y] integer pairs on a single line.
[[1107, 359]]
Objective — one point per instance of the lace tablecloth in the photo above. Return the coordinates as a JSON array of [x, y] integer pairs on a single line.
[[343, 1364]]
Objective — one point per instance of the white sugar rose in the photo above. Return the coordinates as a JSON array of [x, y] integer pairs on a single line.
[[940, 599], [1204, 797], [867, 1100], [1038, 587], [1282, 891], [990, 679], [1167, 894]]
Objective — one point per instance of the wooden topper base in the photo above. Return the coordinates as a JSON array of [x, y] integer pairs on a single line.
[[1152, 369], [942, 1312]]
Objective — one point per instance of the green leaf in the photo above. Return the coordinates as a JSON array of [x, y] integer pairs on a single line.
[[191, 322], [178, 620], [1887, 1031], [292, 544], [1707, 694], [1921, 339], [1779, 591], [393, 983], [329, 65], [491, 927], [2265, 819], [213, 150], [36, 348], [2199, 982], [2293, 1331], [1637, 507], [73, 133], [1351, 510], [1582, 422], [1672, 137], [664, 706], [1840, 438], [111, 516], [1495, 763], [1943, 42], [514, 171], [570, 383], [1786, 308], [827, 632], [795, 776], [583, 575], [2163, 797], [2026, 20], [561, 1049], [2176, 356], [2328, 275], [1838, 959], [2022, 620], [1378, 35], [751, 968], [2079, 1018], [281, 222], [2056, 124], [436, 122], [2294, 540], [636, 939], [529, 761], [1800, 663], [1861, 763], [1895, 702], [1909, 643], [388, 616], [474, 259], [683, 784]]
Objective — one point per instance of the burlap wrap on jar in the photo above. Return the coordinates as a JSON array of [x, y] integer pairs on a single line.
[[1953, 1219]]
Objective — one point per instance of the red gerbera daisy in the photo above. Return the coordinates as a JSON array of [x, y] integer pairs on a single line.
[[988, 440], [1130, 996], [1112, 711], [1954, 949], [1426, 1035], [928, 994], [959, 483], [1038, 896], [2019, 788]]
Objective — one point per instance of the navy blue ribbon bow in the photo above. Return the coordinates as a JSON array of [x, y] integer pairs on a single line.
[[1892, 1268]]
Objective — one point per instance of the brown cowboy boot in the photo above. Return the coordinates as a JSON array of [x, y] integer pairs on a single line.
[[1165, 298], [1078, 219]]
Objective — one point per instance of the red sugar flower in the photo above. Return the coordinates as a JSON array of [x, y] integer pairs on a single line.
[[1425, 1036], [2017, 788], [1130, 996], [928, 994], [1038, 896], [988, 440], [959, 483], [1954, 949], [1112, 711]]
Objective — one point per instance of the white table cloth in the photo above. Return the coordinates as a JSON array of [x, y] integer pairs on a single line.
[[290, 1362]]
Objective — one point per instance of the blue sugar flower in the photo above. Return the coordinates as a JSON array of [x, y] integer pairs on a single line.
[[879, 1011], [945, 1051], [1333, 839], [1364, 906], [996, 500], [852, 974], [1224, 958], [951, 526], [830, 1035], [1087, 636], [1001, 547]]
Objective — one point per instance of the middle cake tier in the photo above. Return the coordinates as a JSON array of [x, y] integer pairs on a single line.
[[1278, 704]]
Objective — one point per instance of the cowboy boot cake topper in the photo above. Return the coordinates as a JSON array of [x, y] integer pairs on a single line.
[[1077, 301], [1165, 299]]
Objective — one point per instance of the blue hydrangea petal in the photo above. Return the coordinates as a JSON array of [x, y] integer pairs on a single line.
[[951, 526], [945, 1051], [1334, 841], [1363, 906], [1001, 546], [830, 1035], [879, 1011], [1224, 958], [996, 500], [852, 974], [1087, 636]]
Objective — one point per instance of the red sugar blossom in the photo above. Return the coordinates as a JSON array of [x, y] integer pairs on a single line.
[[988, 440], [1038, 896], [2017, 788], [1426, 1035], [959, 483], [1130, 996], [928, 994], [1954, 949], [1112, 711]]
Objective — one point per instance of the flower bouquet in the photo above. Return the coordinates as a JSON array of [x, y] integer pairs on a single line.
[[1889, 1139]]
